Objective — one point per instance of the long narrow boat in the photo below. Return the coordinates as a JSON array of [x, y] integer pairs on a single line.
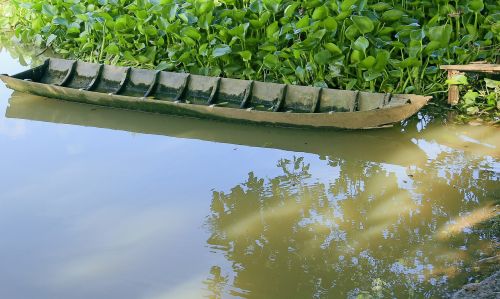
[[214, 97]]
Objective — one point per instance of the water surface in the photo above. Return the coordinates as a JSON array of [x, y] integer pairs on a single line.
[[102, 203]]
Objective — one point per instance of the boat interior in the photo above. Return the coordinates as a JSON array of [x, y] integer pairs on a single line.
[[203, 90]]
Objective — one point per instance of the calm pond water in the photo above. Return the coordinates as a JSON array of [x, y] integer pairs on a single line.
[[101, 203]]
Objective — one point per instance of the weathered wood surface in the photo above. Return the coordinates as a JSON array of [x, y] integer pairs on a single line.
[[453, 92], [473, 67]]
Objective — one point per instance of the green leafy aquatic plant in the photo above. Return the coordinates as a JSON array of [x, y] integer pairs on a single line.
[[386, 46], [480, 96]]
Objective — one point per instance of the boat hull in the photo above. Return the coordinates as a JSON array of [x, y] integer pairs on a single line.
[[346, 120], [212, 97]]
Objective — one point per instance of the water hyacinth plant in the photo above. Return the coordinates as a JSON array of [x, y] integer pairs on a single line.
[[390, 46]]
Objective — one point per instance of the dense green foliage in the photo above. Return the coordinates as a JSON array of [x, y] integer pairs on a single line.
[[355, 44], [479, 96]]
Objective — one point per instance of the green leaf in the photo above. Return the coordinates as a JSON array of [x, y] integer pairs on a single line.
[[302, 22], [121, 24], [381, 60], [386, 31], [151, 31], [185, 57], [347, 4], [319, 34], [240, 30], [321, 84], [333, 48], [472, 110], [343, 15], [495, 84], [319, 13], [432, 46], [351, 32], [322, 57], [272, 29], [417, 35], [246, 55], [364, 24], [36, 24], [370, 75], [191, 32], [290, 10], [188, 41], [475, 5], [271, 61], [441, 34], [395, 73], [272, 5], [300, 73], [457, 80], [205, 6], [470, 97], [330, 24], [368, 62], [492, 99], [381, 6], [60, 21], [264, 17], [165, 66], [73, 28], [409, 62], [221, 50], [350, 84], [49, 10], [78, 9], [112, 49], [268, 48], [356, 56], [361, 44], [150, 53], [51, 39], [142, 14], [392, 15]]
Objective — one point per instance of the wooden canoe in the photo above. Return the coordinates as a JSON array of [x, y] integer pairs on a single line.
[[213, 97]]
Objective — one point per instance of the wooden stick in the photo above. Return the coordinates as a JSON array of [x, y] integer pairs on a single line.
[[476, 67], [453, 93]]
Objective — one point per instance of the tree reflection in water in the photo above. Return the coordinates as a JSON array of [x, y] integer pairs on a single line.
[[376, 229]]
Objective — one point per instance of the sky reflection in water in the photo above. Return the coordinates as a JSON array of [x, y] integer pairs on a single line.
[[100, 203]]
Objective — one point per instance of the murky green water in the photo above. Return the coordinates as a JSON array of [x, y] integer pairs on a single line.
[[100, 203]]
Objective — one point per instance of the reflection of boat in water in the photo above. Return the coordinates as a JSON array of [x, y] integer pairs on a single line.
[[372, 145], [214, 97]]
